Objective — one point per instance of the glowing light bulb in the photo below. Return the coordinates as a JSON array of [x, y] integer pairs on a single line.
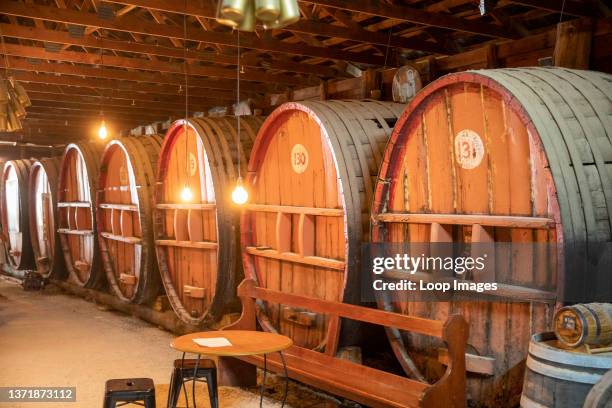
[[186, 194], [240, 195], [102, 132]]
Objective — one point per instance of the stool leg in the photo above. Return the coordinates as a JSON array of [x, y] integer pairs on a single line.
[[149, 401], [175, 386], [171, 389], [109, 402], [213, 393]]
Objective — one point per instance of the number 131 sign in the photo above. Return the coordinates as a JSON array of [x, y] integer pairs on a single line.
[[469, 149]]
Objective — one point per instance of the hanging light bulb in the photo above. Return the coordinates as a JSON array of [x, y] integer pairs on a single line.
[[240, 196], [186, 194], [102, 132]]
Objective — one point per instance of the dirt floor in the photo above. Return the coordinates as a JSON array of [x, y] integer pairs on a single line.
[[50, 338]]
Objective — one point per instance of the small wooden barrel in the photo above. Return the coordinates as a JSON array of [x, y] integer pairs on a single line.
[[589, 323], [311, 178], [15, 220], [124, 217], [558, 377], [197, 241], [44, 176], [485, 160], [76, 202]]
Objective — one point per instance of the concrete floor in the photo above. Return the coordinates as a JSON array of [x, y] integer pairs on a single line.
[[49, 338]]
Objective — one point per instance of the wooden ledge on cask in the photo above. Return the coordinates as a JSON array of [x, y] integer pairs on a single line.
[[293, 257], [74, 231], [67, 204], [187, 244], [122, 207], [186, 206], [287, 209], [468, 219], [121, 238]]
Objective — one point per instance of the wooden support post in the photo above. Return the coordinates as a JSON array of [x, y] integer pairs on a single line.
[[370, 84], [573, 44]]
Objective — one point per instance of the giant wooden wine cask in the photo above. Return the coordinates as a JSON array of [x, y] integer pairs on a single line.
[[311, 180], [48, 257], [125, 218], [76, 205], [15, 220], [197, 241], [511, 155], [559, 376]]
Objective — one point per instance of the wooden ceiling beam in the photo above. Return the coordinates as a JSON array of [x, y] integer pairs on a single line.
[[571, 7], [208, 10], [113, 75], [62, 113], [155, 66], [121, 111], [63, 37], [365, 36], [127, 104], [132, 25], [417, 16], [125, 96]]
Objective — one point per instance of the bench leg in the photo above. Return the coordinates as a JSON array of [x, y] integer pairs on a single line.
[[236, 373]]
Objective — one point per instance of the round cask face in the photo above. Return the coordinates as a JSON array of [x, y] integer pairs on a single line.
[[119, 219], [43, 214], [76, 220], [12, 212], [497, 156], [296, 168], [187, 237]]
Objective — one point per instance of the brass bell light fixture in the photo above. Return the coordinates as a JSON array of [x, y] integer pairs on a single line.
[[244, 15]]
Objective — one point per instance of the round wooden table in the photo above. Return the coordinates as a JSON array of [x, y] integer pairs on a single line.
[[243, 343]]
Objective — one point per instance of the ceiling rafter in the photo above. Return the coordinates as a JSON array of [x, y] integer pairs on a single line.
[[155, 66], [63, 37], [128, 24], [207, 10]]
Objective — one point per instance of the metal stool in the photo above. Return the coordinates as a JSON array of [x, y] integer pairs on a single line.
[[124, 391], [185, 370]]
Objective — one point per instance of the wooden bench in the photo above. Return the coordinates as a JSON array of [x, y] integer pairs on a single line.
[[344, 378]]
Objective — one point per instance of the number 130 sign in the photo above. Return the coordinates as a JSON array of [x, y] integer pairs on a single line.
[[469, 149], [299, 158]]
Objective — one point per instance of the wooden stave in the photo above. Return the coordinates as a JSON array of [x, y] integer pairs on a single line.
[[212, 133], [596, 322], [579, 228], [555, 369], [600, 395], [51, 166], [26, 258], [91, 154], [488, 78], [329, 115], [143, 150]]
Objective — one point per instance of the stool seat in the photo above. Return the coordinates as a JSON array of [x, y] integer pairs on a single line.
[[130, 384], [190, 363], [122, 390]]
